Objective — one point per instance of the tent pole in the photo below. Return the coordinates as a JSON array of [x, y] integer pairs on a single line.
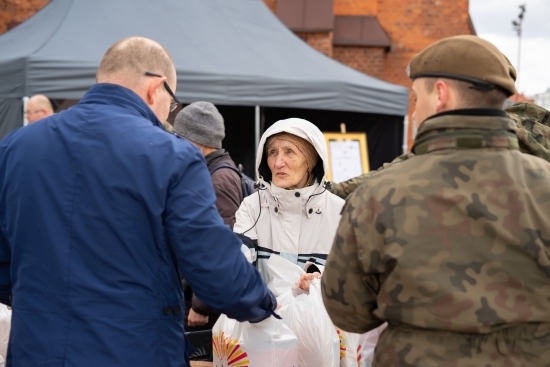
[[405, 134], [256, 130], [25, 100]]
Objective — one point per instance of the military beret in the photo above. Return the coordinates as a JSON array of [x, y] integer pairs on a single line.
[[467, 58]]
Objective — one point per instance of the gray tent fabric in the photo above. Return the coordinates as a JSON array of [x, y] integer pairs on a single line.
[[11, 115], [227, 52]]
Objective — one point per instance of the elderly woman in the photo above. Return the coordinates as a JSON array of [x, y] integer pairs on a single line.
[[292, 214]]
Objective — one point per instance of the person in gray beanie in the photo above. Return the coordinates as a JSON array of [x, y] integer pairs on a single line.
[[202, 125]]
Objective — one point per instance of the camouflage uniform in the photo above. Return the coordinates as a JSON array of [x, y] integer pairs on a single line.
[[452, 248], [533, 131], [533, 128]]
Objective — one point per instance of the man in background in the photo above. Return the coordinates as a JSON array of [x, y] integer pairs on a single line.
[[38, 107], [203, 125], [100, 221]]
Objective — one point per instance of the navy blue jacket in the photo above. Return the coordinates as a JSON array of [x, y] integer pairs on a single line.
[[101, 214]]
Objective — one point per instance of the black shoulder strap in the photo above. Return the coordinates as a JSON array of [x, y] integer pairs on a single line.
[[224, 165]]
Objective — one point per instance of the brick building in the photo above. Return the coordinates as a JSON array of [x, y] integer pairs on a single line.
[[14, 12], [376, 37]]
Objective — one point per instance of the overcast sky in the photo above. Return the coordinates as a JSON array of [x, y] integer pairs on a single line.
[[493, 21]]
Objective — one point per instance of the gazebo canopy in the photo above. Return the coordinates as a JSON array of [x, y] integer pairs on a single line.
[[226, 52]]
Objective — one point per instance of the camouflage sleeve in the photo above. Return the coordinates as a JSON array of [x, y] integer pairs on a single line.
[[349, 294], [533, 128], [343, 189]]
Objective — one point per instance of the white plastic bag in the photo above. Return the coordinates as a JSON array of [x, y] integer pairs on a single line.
[[269, 343], [283, 275], [5, 326], [305, 314], [349, 348], [367, 343]]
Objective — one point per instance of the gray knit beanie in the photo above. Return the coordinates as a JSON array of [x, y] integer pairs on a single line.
[[202, 123]]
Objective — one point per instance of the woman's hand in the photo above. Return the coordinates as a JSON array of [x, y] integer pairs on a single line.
[[196, 319], [305, 280]]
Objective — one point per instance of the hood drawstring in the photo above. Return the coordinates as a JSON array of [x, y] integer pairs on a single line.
[[326, 186]]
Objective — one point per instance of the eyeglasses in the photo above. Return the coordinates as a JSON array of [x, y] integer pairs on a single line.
[[174, 104], [27, 112]]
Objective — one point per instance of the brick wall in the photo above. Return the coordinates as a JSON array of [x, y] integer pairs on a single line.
[[356, 7], [368, 60], [14, 12], [411, 25], [321, 41], [271, 4]]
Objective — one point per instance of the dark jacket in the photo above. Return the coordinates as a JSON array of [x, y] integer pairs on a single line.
[[101, 213], [229, 194], [227, 185]]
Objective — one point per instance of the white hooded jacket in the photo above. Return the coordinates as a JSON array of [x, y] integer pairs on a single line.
[[298, 224]]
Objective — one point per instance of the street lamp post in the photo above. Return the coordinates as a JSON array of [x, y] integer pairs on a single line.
[[517, 23]]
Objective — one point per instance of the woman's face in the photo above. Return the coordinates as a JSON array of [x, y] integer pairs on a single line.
[[287, 164]]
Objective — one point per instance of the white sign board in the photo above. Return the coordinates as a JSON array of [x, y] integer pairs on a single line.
[[345, 159], [348, 155]]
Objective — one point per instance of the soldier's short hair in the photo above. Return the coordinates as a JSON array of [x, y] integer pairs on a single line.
[[470, 97]]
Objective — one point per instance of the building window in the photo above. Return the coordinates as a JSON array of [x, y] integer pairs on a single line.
[[359, 31], [306, 15]]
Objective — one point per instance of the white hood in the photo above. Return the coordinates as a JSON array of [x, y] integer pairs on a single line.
[[298, 224], [299, 127]]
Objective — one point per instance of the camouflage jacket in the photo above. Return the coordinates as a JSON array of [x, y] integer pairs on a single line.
[[533, 128], [533, 131], [452, 248]]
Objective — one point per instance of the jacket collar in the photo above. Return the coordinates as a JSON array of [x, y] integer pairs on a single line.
[[466, 129], [215, 155], [113, 94], [312, 198], [472, 112]]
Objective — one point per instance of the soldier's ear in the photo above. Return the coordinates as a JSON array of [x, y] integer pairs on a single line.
[[443, 95]]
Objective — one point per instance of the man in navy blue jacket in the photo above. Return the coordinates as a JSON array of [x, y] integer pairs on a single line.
[[102, 213]]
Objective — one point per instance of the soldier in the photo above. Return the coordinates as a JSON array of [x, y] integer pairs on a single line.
[[450, 246]]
